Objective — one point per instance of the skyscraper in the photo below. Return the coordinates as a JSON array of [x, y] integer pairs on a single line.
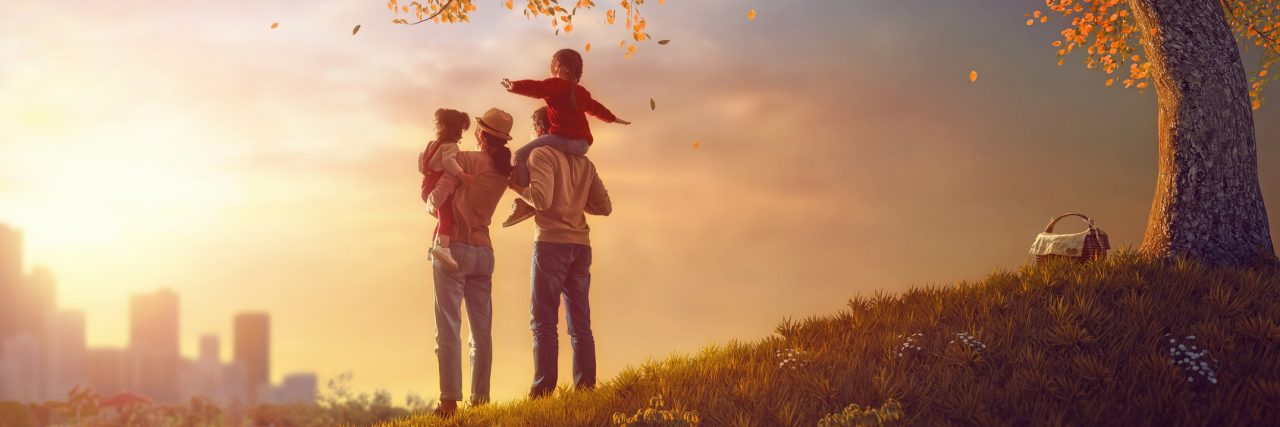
[[21, 365], [253, 350], [64, 354], [204, 376], [153, 344], [10, 277], [107, 370], [35, 300]]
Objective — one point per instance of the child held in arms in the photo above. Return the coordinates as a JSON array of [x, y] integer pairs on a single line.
[[439, 158]]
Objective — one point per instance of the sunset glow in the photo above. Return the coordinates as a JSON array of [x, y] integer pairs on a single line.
[[187, 145]]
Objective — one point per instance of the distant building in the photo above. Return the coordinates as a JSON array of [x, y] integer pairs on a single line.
[[253, 350], [35, 299], [10, 278], [22, 368], [64, 354], [203, 376], [297, 388], [153, 344], [235, 384], [107, 370]]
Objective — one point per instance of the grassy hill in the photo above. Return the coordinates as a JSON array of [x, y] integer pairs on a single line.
[[1122, 342]]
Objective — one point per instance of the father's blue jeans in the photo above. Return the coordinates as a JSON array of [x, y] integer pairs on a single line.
[[561, 269], [472, 283]]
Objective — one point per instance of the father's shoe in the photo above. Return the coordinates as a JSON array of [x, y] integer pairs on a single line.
[[520, 211], [445, 256], [535, 394], [446, 409]]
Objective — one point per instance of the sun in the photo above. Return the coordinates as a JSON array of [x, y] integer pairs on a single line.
[[102, 185]]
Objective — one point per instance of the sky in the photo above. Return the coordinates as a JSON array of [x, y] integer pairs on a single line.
[[842, 151]]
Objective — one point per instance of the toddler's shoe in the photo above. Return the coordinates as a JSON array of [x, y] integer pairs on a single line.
[[445, 256], [520, 211]]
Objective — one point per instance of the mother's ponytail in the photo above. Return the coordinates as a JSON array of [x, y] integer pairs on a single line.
[[498, 152]]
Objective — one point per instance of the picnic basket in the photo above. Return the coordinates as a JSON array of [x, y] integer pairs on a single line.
[[1089, 245]]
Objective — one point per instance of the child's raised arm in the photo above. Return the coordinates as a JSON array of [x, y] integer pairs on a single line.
[[597, 109], [529, 88]]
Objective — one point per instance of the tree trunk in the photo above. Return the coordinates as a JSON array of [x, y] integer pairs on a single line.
[[1208, 205]]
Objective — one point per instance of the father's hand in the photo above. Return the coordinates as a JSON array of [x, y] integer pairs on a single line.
[[506, 83]]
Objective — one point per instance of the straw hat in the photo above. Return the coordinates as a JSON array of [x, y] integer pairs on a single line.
[[496, 122]]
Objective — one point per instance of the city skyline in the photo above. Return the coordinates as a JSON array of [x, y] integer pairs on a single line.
[[44, 352]]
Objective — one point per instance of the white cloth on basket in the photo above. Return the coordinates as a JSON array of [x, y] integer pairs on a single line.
[[1059, 244]]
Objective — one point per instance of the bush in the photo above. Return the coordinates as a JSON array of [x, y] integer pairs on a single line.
[[15, 414]]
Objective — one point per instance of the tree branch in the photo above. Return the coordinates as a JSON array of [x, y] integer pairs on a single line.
[[1270, 42], [434, 15]]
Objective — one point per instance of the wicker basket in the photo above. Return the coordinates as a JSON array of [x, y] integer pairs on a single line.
[[1095, 245]]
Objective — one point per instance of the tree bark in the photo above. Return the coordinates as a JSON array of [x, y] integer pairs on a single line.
[[1208, 204]]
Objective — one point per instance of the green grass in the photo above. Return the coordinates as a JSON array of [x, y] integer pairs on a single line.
[[1064, 345]]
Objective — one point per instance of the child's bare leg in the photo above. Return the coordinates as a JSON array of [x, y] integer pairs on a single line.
[[444, 229]]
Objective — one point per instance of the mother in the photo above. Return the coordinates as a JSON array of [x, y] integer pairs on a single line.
[[473, 207]]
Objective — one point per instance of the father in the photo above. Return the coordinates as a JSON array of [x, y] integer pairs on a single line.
[[472, 282], [562, 189]]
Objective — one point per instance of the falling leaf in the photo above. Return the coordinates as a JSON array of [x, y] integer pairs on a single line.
[[696, 144], [274, 25], [664, 42], [652, 105], [355, 30], [751, 15], [973, 76], [588, 49]]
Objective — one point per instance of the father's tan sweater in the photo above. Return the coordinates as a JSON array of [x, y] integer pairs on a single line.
[[563, 189]]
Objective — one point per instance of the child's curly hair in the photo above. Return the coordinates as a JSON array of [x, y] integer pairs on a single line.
[[450, 124], [570, 62]]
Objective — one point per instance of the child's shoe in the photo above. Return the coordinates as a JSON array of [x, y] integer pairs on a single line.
[[445, 256], [520, 211]]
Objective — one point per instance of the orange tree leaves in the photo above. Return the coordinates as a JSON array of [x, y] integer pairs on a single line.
[[1107, 33], [560, 13]]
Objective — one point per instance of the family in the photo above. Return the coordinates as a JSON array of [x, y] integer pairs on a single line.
[[556, 186]]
